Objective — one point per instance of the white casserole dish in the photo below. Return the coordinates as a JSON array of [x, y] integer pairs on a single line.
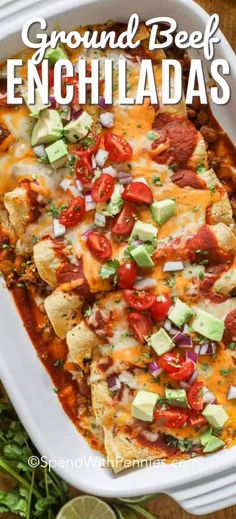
[[200, 485]]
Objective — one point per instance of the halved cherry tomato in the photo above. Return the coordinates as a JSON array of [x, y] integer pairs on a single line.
[[174, 417], [196, 419], [138, 299], [127, 273], [84, 171], [118, 148], [171, 362], [140, 326], [50, 75], [74, 212], [125, 220], [195, 396], [138, 193], [160, 307], [99, 246], [184, 372], [103, 188], [88, 146]]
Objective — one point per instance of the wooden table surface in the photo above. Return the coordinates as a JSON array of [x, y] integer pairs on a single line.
[[164, 507]]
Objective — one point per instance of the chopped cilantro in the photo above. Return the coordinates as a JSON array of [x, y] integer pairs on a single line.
[[88, 311], [59, 363], [109, 269], [226, 372], [201, 168], [173, 166], [156, 180], [54, 211]]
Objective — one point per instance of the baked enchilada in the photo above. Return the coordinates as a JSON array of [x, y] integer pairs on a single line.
[[118, 245]]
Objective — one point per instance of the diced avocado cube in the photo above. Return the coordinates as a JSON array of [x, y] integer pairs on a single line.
[[53, 55], [205, 437], [176, 397], [213, 444], [208, 325], [38, 105], [144, 231], [180, 314], [161, 342], [77, 129], [163, 210], [141, 257], [57, 154], [143, 405], [215, 415], [47, 129]]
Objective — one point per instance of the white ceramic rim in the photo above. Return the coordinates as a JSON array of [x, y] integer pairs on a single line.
[[194, 483]]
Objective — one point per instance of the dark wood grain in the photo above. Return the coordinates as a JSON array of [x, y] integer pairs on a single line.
[[227, 13]]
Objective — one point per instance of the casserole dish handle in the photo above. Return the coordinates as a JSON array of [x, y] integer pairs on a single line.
[[207, 495]]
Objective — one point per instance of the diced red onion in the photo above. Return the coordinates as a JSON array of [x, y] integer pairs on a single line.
[[184, 385], [89, 203], [191, 355], [58, 229], [125, 180], [87, 232], [208, 396], [182, 340], [53, 101], [101, 158], [113, 383], [99, 219], [66, 114], [65, 184], [78, 185], [125, 177], [123, 174], [107, 119], [173, 266], [173, 331], [167, 325], [110, 171], [40, 151], [94, 164], [73, 190], [154, 369], [76, 112], [206, 348], [193, 377], [101, 103], [144, 284], [231, 393]]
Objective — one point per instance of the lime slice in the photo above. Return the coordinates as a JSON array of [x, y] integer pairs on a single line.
[[123, 512], [86, 507], [138, 499]]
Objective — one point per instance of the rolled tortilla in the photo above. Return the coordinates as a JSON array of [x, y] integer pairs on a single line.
[[63, 310]]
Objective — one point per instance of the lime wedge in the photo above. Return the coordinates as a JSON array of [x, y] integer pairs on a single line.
[[86, 507], [123, 512], [138, 499]]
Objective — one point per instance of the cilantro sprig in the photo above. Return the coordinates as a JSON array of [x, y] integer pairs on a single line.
[[39, 492]]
